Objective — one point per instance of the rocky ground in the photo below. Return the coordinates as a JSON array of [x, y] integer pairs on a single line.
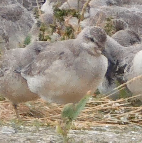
[[99, 134]]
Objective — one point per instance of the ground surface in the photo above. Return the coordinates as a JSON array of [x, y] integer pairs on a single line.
[[98, 123], [102, 134]]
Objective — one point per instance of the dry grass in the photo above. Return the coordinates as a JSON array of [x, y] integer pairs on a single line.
[[99, 111]]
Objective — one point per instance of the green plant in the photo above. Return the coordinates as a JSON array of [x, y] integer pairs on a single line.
[[2, 98], [42, 35], [70, 112], [109, 26], [69, 33], [17, 123], [124, 93], [66, 30], [27, 40], [60, 13], [37, 124], [37, 13]]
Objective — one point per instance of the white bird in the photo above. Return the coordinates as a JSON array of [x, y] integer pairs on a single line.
[[66, 70], [135, 71], [12, 85]]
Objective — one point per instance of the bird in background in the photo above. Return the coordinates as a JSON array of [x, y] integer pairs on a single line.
[[125, 37], [128, 62], [12, 85]]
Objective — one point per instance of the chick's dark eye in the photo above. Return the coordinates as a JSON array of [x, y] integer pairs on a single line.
[[92, 40]]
